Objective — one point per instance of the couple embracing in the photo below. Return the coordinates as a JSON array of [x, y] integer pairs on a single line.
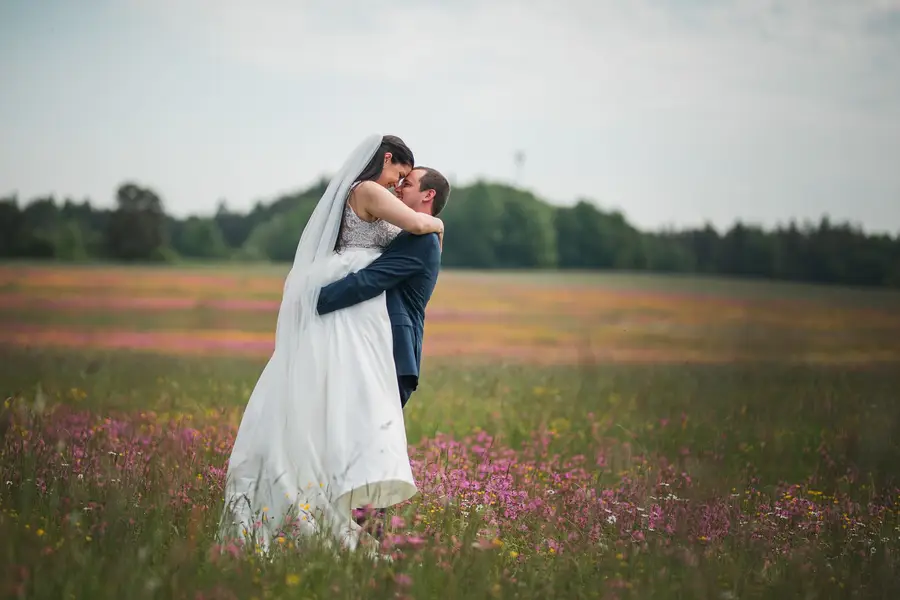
[[323, 431]]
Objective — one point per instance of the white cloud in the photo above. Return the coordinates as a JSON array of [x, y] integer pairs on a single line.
[[674, 111], [581, 59]]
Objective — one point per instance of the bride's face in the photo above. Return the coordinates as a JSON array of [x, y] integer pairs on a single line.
[[392, 173]]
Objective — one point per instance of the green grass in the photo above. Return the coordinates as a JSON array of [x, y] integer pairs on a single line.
[[775, 477], [733, 429], [737, 287], [138, 320]]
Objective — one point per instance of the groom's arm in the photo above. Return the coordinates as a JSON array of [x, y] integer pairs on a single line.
[[408, 255]]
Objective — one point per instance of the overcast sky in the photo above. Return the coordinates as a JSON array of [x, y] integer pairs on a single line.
[[673, 111]]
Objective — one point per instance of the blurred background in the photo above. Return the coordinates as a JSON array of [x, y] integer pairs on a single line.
[[737, 137]]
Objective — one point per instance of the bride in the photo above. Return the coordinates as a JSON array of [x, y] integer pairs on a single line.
[[323, 430]]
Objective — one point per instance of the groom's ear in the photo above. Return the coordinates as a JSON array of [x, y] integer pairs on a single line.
[[428, 201]]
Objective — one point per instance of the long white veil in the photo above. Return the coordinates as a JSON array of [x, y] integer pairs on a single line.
[[274, 437], [321, 231]]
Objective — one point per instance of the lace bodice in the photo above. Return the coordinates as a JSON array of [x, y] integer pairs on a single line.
[[356, 233]]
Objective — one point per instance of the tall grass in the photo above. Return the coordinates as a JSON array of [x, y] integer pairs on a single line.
[[632, 482]]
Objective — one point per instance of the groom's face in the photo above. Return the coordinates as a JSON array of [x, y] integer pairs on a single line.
[[410, 192]]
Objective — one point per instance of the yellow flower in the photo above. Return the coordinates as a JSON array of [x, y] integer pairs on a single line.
[[292, 579], [40, 532]]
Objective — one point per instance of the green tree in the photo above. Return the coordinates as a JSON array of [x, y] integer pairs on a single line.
[[488, 226], [278, 237], [200, 238], [472, 222], [10, 227], [526, 237], [588, 238], [70, 242], [136, 230]]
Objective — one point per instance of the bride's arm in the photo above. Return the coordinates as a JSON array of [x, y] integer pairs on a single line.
[[381, 204]]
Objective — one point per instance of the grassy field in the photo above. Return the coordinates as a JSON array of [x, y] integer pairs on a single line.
[[578, 435]]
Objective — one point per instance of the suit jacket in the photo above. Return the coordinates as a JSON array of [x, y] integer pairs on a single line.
[[407, 271]]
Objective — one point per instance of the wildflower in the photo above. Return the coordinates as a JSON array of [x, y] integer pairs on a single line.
[[292, 579], [397, 522]]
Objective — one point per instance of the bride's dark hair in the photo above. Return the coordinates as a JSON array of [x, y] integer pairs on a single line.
[[400, 154]]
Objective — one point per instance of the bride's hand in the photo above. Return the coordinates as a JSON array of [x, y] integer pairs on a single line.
[[440, 231], [438, 226]]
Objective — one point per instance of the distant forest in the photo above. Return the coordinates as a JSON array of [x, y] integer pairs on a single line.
[[489, 226]]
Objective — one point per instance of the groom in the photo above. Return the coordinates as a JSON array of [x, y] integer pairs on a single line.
[[407, 271]]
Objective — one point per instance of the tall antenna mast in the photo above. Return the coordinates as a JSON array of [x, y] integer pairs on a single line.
[[519, 159]]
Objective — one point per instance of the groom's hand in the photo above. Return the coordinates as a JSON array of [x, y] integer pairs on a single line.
[[407, 256]]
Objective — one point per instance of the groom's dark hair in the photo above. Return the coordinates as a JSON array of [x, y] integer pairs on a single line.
[[400, 154], [433, 180]]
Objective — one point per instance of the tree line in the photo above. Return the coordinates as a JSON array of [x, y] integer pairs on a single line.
[[489, 226]]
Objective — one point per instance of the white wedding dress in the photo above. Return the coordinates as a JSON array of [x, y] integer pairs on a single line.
[[323, 431]]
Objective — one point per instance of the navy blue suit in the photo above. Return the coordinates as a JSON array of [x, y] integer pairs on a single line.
[[407, 271]]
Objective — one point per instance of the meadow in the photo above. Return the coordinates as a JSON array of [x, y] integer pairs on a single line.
[[575, 435]]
